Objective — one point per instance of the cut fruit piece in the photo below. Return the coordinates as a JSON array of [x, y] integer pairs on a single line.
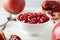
[[2, 36], [55, 13], [49, 5], [14, 37]]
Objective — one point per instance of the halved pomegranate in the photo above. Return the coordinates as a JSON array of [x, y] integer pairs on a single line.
[[55, 13], [49, 5], [14, 37]]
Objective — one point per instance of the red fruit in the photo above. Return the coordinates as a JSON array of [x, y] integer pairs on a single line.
[[25, 17], [2, 35], [21, 17], [44, 15], [41, 20], [14, 37], [56, 32], [38, 18], [14, 6], [33, 18], [49, 5], [55, 13]]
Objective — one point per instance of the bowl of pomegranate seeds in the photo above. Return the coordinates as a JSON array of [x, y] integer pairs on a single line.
[[32, 23]]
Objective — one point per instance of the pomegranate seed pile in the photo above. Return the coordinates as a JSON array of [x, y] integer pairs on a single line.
[[33, 18], [14, 37]]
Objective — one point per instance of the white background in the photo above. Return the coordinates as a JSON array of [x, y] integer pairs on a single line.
[[31, 3]]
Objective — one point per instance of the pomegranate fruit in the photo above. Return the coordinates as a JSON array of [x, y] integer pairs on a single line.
[[56, 32], [13, 6], [55, 13], [14, 37], [33, 18], [49, 5], [53, 8]]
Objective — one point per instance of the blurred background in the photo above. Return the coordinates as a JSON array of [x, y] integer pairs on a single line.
[[30, 3]]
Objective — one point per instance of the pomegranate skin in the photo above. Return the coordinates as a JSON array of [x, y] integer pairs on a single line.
[[54, 37], [13, 6], [14, 37], [55, 13], [49, 5]]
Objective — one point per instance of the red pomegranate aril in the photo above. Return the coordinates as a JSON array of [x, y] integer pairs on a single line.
[[21, 17], [31, 16], [43, 18], [34, 18], [25, 17], [47, 18], [25, 21], [38, 22], [29, 21], [43, 15], [38, 18]]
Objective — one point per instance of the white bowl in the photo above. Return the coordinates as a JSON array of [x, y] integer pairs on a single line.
[[33, 29]]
